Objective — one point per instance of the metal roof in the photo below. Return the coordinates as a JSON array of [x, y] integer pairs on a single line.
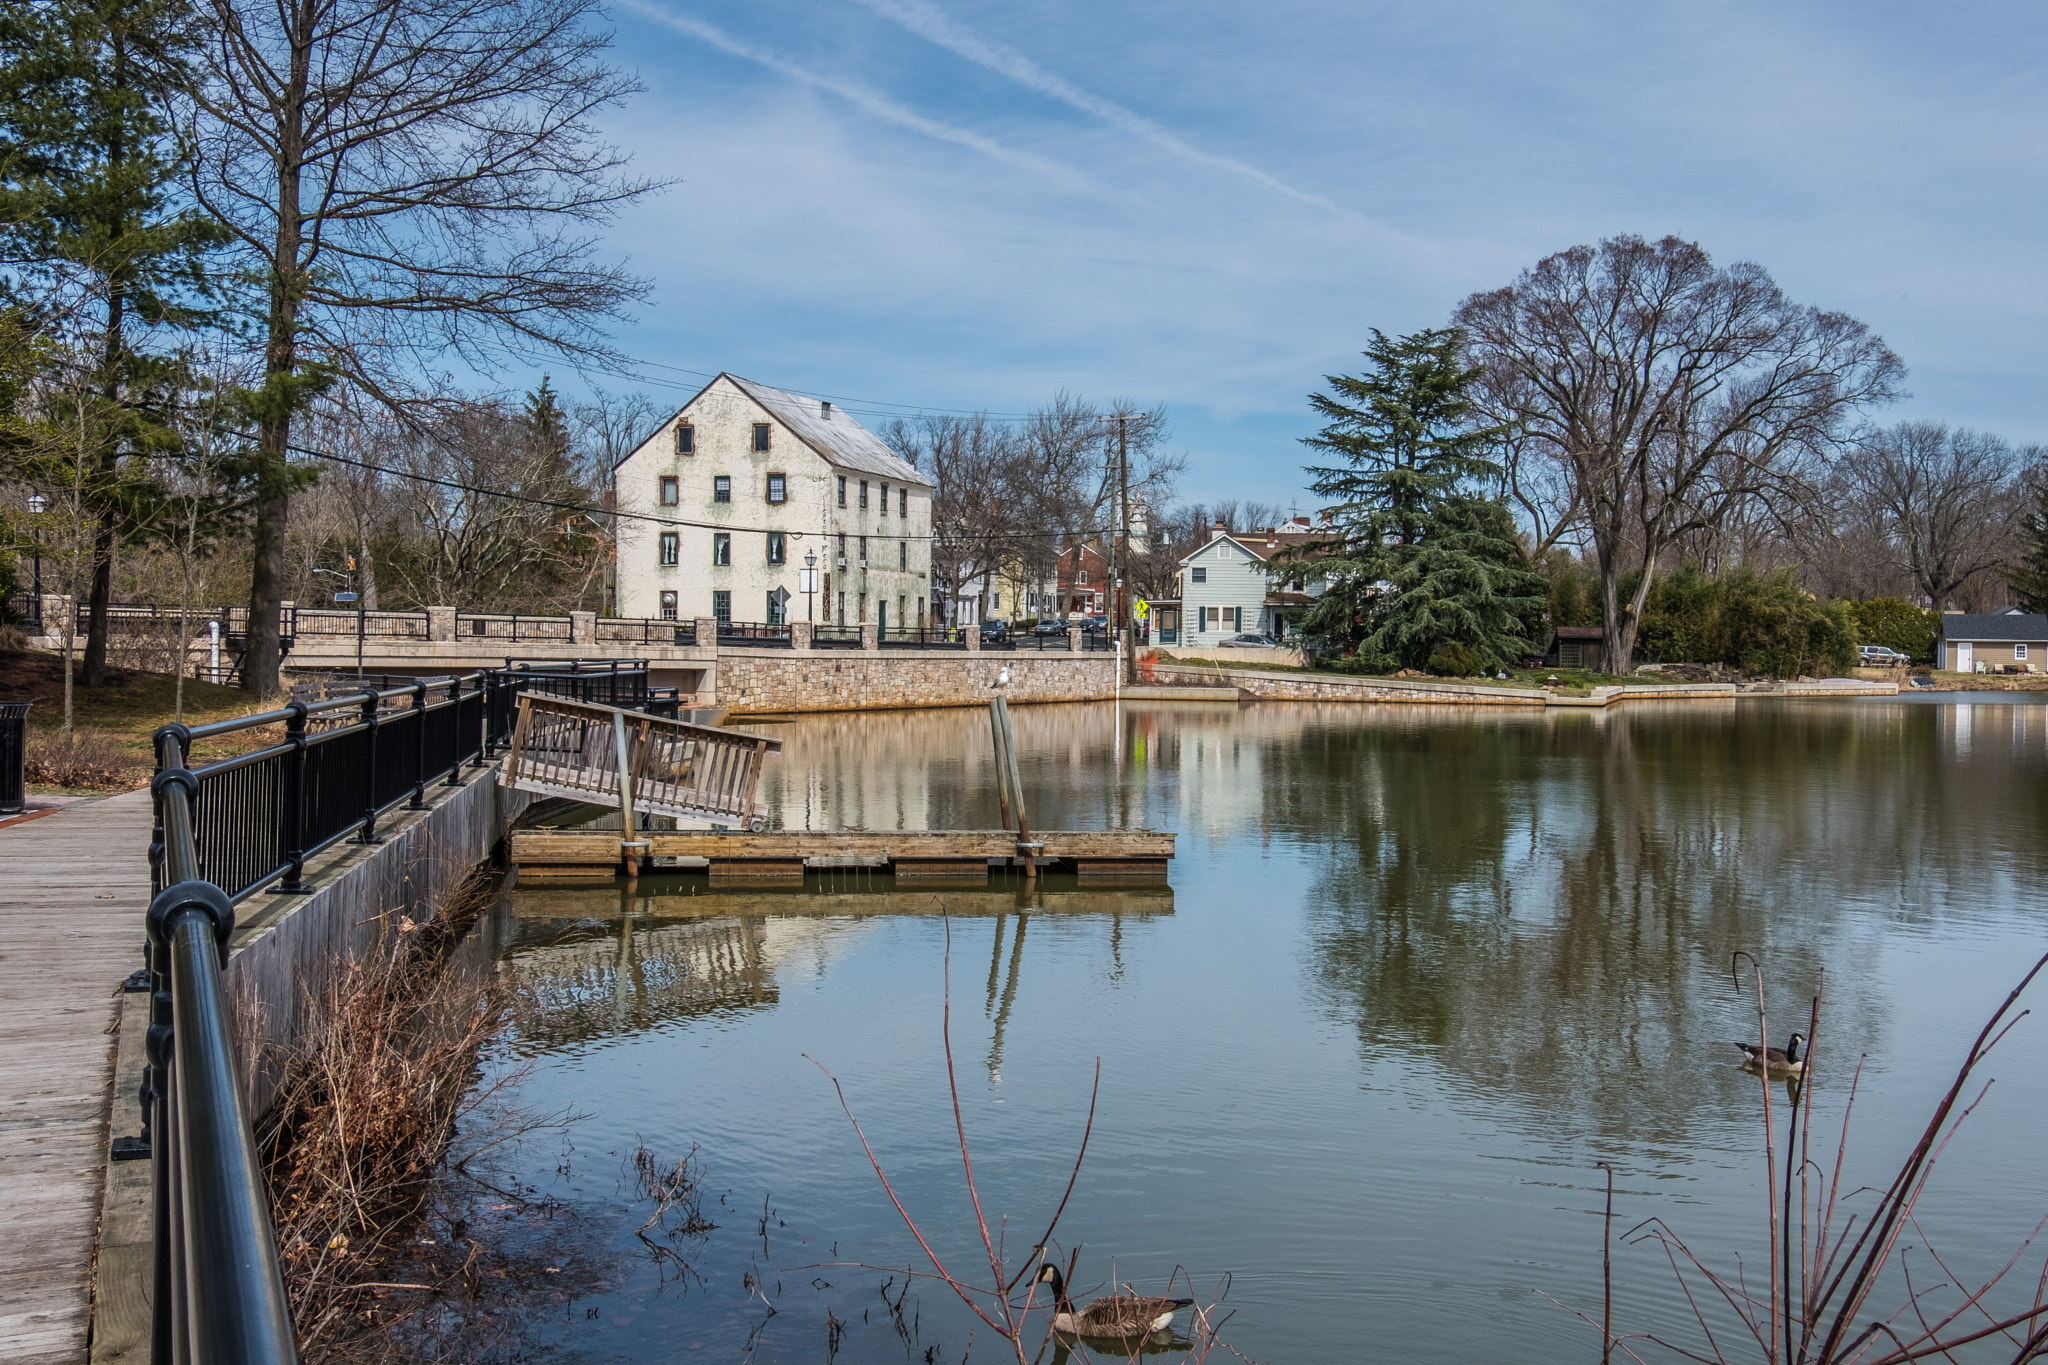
[[832, 433], [1994, 627]]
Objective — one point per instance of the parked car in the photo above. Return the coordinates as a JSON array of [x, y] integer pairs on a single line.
[[1050, 626], [997, 631], [1880, 656], [1252, 642]]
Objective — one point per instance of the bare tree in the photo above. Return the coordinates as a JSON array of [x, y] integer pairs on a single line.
[[971, 462], [409, 179], [1946, 497], [609, 427], [1670, 394]]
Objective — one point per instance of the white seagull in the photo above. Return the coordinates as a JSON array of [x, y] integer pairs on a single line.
[[1002, 677]]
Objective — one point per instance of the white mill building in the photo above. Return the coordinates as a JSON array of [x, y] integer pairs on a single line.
[[720, 506]]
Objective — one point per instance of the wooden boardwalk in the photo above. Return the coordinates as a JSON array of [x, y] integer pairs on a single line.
[[73, 890]]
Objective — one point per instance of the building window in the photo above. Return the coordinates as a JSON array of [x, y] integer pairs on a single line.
[[863, 558], [721, 605], [668, 606], [778, 488], [885, 499], [842, 490], [863, 609], [671, 491], [721, 488], [2019, 652], [842, 608], [760, 436], [1083, 577], [1212, 618], [999, 601], [842, 555], [903, 556], [903, 502], [776, 551], [686, 439], [721, 547], [1200, 575], [863, 492], [670, 548]]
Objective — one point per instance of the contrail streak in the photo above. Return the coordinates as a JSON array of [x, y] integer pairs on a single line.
[[927, 21], [860, 96]]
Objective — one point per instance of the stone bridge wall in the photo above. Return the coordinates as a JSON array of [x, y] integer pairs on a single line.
[[753, 681]]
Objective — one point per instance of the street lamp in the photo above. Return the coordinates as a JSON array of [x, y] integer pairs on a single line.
[[810, 577], [353, 595], [37, 505]]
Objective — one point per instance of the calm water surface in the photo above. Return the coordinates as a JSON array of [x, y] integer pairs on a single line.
[[1418, 972]]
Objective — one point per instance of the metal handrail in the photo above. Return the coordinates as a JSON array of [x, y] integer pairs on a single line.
[[219, 1292]]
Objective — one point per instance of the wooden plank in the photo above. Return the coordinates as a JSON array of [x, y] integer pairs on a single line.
[[756, 870], [583, 846], [941, 870], [1121, 869], [78, 885], [649, 902]]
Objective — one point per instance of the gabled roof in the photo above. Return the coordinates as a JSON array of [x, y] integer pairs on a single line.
[[828, 430], [1995, 628], [1214, 541], [832, 433]]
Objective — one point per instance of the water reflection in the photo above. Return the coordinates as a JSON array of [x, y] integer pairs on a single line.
[[1419, 969]]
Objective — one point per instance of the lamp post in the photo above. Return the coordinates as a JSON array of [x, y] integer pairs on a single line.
[[355, 596], [811, 586], [37, 505]]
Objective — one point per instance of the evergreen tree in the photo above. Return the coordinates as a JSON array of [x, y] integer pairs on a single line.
[[2029, 576], [96, 241], [1425, 559]]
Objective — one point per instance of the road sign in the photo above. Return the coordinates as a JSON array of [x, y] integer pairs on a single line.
[[344, 597], [1141, 609]]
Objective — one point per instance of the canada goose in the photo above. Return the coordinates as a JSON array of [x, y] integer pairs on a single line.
[[1115, 1315], [1784, 1059]]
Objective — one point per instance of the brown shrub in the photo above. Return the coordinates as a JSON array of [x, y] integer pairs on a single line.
[[90, 760]]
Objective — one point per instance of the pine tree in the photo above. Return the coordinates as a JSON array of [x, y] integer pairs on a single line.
[[1426, 559], [2029, 576], [101, 248]]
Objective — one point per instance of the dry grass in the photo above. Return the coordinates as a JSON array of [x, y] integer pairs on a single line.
[[361, 1129]]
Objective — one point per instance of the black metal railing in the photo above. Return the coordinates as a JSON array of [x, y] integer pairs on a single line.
[[754, 634], [513, 627], [1046, 643], [218, 1295], [626, 630], [925, 637], [377, 625], [835, 637]]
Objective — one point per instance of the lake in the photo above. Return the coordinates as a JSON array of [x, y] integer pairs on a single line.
[[1419, 972]]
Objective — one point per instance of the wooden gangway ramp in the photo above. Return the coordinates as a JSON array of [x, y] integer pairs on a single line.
[[921, 855], [579, 750]]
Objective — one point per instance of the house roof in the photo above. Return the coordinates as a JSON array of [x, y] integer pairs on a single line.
[[826, 429], [1263, 546], [1995, 628], [832, 433], [1577, 633]]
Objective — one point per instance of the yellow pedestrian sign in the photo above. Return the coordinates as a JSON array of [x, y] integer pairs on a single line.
[[1141, 609]]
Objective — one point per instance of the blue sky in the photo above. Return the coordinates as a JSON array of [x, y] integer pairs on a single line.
[[957, 204]]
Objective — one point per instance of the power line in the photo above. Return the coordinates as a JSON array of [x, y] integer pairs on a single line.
[[587, 510]]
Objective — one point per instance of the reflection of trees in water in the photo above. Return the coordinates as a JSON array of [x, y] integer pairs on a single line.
[[1548, 906]]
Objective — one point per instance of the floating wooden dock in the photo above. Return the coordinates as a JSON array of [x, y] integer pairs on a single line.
[[924, 857]]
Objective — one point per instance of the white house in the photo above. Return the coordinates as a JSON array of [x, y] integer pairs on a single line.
[[1230, 585], [721, 505]]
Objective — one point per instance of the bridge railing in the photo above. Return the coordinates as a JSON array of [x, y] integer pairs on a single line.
[[219, 1295], [603, 755]]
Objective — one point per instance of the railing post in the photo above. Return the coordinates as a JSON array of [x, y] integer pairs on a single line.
[[419, 772], [369, 834], [295, 802], [454, 778]]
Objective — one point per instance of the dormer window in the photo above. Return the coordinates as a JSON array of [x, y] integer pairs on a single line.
[[686, 439], [760, 436]]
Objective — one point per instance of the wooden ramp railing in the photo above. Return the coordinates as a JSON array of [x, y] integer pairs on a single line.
[[577, 749]]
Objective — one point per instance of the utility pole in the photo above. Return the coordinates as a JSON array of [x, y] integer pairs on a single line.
[[1129, 662]]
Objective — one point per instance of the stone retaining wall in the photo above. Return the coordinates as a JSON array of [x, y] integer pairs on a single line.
[[753, 681], [1330, 687]]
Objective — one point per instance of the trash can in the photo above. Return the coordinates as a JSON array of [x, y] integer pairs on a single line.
[[13, 755]]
